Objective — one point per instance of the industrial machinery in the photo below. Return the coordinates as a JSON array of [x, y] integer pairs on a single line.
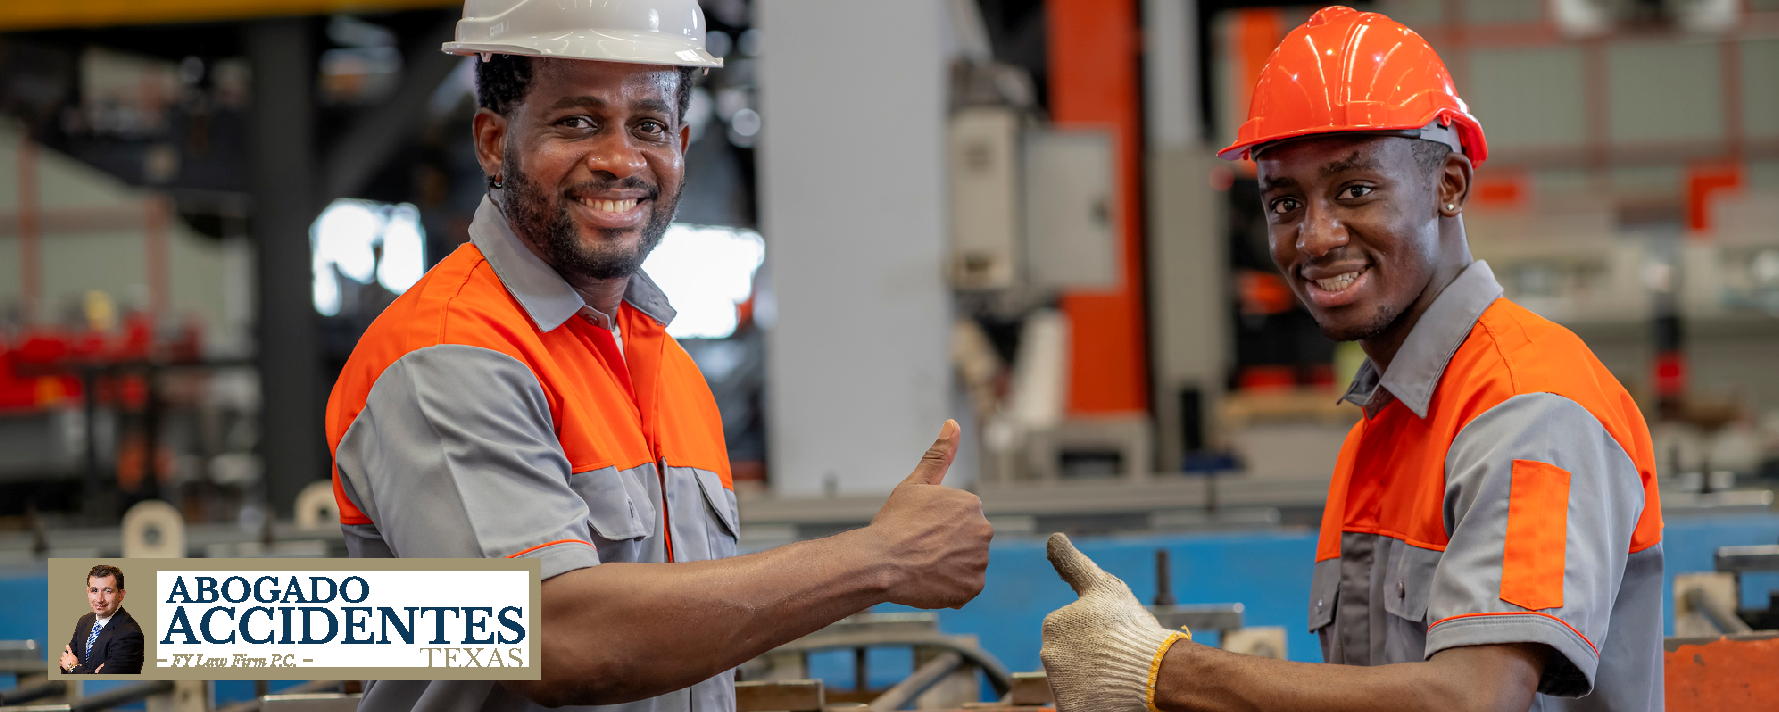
[[1723, 654], [945, 673], [1708, 604], [948, 669]]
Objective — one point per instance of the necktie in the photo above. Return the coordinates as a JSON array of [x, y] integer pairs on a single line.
[[90, 638]]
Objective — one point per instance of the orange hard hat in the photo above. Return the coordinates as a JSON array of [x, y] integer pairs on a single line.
[[1346, 70]]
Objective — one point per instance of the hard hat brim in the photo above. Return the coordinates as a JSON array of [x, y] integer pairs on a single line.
[[1245, 149], [602, 46], [1473, 145]]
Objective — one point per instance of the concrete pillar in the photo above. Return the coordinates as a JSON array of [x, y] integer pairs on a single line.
[[853, 205], [1188, 260], [1189, 307], [292, 443], [1170, 74]]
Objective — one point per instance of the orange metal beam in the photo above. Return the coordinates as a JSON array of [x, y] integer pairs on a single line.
[[1253, 34], [98, 13], [1258, 32], [1705, 181], [1093, 50]]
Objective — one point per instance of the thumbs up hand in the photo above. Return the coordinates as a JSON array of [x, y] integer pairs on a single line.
[[1101, 652], [933, 537]]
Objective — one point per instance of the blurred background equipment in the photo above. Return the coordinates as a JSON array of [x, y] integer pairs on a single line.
[[1003, 211]]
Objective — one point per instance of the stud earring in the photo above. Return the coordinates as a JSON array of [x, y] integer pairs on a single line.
[[1451, 207], [494, 182]]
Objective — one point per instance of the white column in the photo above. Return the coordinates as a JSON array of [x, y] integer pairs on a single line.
[[1188, 261], [1170, 68], [853, 96]]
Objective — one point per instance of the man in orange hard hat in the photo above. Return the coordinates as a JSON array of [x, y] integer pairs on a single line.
[[1492, 538], [524, 399]]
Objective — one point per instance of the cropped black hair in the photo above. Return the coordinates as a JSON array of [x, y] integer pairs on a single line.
[[503, 79], [1430, 155], [104, 570]]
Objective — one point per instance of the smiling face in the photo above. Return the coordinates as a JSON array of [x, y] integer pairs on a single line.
[[1354, 223], [103, 595], [593, 160]]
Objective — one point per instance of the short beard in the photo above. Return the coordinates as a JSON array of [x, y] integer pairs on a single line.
[[545, 224], [1380, 322]]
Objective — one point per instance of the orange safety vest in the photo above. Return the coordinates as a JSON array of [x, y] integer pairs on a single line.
[[1499, 490], [1390, 477], [646, 410]]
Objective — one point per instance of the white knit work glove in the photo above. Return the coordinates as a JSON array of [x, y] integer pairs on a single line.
[[1101, 652]]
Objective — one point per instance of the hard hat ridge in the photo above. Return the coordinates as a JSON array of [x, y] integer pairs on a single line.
[[1349, 71], [669, 32]]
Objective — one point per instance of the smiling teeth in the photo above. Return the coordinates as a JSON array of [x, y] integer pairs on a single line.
[[1338, 282], [611, 206]]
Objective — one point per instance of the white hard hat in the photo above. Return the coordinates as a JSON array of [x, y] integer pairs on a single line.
[[636, 31]]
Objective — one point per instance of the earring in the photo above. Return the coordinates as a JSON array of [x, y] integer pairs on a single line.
[[1451, 207], [494, 182]]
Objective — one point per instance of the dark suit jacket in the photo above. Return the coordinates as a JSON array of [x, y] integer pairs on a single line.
[[119, 647]]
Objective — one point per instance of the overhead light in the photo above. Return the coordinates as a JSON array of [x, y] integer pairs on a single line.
[[746, 122], [1708, 15], [404, 249], [707, 272], [344, 242], [1580, 18]]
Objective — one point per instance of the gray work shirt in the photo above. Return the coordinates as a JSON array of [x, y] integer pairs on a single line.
[[458, 450], [1425, 554]]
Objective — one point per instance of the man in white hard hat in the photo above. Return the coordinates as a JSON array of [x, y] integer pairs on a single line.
[[525, 400]]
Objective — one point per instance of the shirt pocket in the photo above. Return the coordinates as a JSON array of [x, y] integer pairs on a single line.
[[725, 525], [1408, 584], [612, 511], [1324, 587], [1324, 597]]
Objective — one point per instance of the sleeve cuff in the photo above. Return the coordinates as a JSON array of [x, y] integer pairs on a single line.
[[561, 556], [1569, 674]]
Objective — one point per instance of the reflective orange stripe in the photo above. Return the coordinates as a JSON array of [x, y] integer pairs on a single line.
[[655, 406], [548, 543], [1571, 628], [1390, 478], [1537, 525]]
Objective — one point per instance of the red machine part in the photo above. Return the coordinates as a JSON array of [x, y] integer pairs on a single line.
[[1722, 675]]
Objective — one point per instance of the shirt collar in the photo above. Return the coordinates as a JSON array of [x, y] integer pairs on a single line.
[[600, 319], [547, 298], [1415, 372]]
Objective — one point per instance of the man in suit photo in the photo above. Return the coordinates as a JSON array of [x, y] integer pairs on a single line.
[[106, 641]]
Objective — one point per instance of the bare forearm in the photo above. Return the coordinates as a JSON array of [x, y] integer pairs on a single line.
[[1198, 678], [622, 632]]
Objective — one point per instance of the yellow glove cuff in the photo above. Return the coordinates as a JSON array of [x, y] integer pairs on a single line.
[[1155, 666]]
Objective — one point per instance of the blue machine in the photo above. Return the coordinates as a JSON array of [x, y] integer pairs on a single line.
[[1268, 572]]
